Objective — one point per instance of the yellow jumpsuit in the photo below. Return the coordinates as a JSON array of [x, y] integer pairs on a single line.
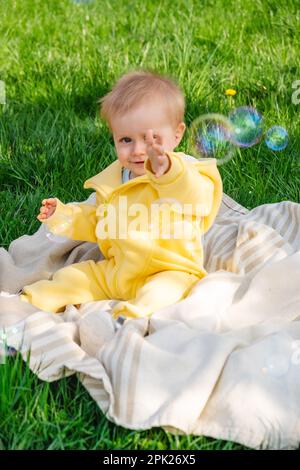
[[142, 271]]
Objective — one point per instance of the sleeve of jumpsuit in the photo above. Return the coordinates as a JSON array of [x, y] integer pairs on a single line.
[[198, 186], [75, 221]]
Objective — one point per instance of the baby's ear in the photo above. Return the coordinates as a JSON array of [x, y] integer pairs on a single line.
[[180, 131]]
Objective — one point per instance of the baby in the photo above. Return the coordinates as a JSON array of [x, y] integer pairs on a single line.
[[144, 112]]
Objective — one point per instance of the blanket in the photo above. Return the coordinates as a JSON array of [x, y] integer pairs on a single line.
[[224, 362]]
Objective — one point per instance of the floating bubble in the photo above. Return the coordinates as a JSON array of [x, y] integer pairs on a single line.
[[10, 351], [56, 233], [276, 138], [247, 126], [210, 137]]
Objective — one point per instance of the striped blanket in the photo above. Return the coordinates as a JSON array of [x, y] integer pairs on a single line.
[[224, 362]]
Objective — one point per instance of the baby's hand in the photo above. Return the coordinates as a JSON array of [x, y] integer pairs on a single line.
[[47, 209], [160, 162]]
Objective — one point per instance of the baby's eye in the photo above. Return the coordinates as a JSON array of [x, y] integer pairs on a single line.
[[128, 139]]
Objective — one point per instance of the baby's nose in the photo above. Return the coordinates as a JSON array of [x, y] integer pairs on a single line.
[[139, 147]]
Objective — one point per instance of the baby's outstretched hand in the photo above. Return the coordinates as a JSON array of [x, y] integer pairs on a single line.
[[47, 209], [160, 162]]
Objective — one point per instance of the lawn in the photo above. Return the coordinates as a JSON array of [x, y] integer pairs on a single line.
[[56, 59]]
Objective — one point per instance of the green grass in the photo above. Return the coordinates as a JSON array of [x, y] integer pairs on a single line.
[[56, 59], [61, 416]]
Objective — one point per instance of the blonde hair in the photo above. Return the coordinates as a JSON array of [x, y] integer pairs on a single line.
[[139, 86]]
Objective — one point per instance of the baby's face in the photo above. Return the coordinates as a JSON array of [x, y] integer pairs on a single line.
[[129, 134]]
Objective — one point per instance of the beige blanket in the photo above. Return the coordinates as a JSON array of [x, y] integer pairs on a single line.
[[224, 362]]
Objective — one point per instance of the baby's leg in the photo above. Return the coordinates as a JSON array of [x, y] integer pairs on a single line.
[[160, 290], [73, 284]]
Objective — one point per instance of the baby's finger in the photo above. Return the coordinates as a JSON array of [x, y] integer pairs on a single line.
[[159, 148], [158, 139], [159, 172], [49, 201], [149, 136], [156, 150]]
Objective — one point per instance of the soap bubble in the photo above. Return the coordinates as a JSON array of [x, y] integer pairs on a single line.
[[10, 351], [210, 137], [276, 138], [247, 126], [56, 233]]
